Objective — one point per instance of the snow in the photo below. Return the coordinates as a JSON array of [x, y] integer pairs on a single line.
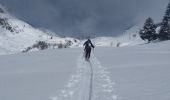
[[35, 76], [127, 73], [140, 72]]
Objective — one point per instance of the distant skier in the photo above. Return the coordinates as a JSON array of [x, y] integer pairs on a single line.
[[87, 49]]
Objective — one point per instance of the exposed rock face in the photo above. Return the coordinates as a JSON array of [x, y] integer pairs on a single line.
[[4, 23]]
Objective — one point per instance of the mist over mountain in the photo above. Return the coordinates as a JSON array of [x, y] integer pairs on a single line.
[[84, 17]]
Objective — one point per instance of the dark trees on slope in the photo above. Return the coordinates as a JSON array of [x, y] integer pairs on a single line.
[[149, 31], [164, 33]]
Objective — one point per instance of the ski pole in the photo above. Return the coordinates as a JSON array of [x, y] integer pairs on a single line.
[[93, 51]]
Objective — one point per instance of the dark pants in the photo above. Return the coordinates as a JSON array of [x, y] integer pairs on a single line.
[[87, 53]]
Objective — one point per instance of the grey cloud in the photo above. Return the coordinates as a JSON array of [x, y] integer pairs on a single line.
[[104, 17]]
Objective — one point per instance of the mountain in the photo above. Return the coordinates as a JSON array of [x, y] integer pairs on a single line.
[[129, 38], [17, 35]]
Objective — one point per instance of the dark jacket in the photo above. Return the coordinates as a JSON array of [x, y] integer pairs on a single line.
[[88, 45]]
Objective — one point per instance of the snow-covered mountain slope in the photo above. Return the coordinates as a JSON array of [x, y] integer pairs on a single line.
[[129, 38], [127, 73], [16, 35]]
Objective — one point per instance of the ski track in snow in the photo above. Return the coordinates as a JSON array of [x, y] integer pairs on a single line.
[[90, 82]]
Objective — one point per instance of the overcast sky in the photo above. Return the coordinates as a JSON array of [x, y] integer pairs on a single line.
[[107, 17]]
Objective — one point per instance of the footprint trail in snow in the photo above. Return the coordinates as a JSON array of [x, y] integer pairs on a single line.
[[90, 82]]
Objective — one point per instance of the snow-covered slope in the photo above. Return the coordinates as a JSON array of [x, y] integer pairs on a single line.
[[129, 38], [127, 73], [16, 35]]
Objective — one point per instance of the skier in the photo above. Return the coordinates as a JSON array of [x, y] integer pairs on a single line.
[[87, 49]]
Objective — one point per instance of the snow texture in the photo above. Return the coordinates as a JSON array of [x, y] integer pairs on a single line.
[[127, 73]]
